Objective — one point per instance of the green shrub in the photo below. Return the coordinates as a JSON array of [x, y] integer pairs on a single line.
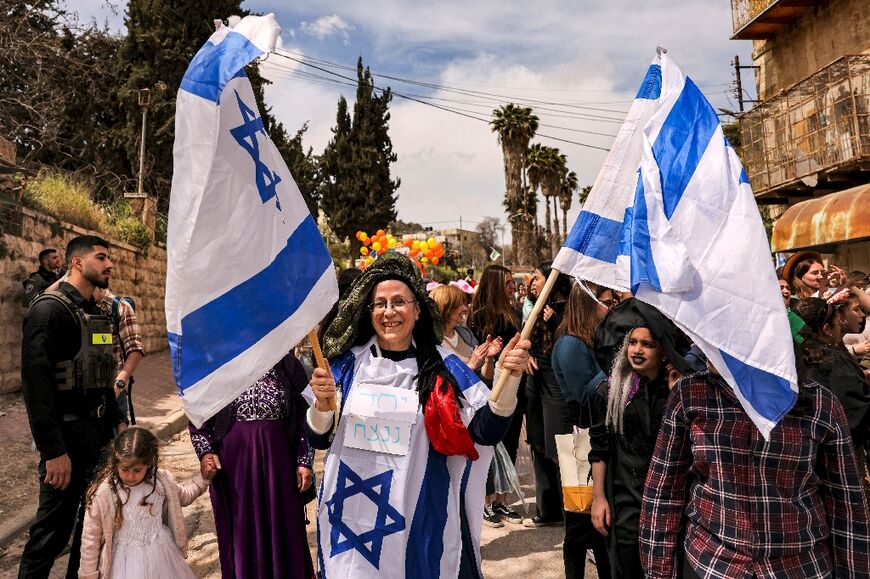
[[130, 230], [67, 199], [70, 201]]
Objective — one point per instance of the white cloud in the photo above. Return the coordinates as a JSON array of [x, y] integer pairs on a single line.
[[591, 54], [328, 26]]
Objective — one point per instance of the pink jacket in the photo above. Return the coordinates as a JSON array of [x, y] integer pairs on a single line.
[[98, 531]]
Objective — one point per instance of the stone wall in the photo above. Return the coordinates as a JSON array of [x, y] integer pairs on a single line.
[[25, 232], [823, 33]]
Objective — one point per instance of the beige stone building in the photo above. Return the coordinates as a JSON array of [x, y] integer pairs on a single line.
[[806, 144]]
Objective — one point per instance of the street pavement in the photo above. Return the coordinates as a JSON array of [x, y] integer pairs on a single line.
[[507, 552]]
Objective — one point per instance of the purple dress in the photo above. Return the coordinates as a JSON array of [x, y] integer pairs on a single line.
[[258, 512]]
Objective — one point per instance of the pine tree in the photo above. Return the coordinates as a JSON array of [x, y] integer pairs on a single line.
[[358, 192], [337, 187], [302, 164]]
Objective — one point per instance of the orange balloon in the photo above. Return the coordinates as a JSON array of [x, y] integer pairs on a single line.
[[435, 260], [414, 252], [428, 253], [367, 241], [380, 233], [409, 243]]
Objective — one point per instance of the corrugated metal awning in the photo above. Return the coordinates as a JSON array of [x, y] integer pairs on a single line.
[[825, 221]]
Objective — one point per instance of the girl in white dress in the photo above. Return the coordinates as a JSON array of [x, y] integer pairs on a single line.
[[133, 524]]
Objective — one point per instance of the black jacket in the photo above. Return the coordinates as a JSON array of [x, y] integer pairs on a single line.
[[52, 335], [627, 455], [839, 372], [38, 282]]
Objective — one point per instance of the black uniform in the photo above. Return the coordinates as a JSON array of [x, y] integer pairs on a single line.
[[76, 422], [38, 282], [628, 457]]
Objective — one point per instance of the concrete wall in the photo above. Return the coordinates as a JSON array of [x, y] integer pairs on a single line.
[[137, 273], [822, 34]]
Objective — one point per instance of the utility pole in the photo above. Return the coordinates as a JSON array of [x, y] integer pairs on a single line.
[[460, 237], [738, 82], [144, 104]]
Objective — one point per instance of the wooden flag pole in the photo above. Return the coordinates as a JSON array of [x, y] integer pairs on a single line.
[[321, 361], [527, 328]]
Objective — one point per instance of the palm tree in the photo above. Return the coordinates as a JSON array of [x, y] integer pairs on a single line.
[[516, 126], [545, 166], [566, 194]]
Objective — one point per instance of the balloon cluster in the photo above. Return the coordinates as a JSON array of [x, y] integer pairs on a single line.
[[421, 252], [427, 251]]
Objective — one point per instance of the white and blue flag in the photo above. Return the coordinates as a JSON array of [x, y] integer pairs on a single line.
[[248, 273], [672, 218]]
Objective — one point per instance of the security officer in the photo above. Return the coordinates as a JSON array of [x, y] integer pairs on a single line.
[[49, 272], [67, 373]]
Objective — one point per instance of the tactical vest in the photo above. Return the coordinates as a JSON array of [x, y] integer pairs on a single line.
[[94, 365]]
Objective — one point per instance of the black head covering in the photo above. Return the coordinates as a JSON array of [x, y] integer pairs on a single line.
[[633, 313]]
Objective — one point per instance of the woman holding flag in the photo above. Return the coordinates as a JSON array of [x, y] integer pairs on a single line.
[[403, 484]]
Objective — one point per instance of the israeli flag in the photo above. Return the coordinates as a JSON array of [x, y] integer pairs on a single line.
[[248, 273], [672, 218]]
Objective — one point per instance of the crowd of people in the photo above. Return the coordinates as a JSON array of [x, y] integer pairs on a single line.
[[683, 483]]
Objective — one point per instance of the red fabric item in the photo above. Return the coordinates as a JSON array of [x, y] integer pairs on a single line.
[[444, 425]]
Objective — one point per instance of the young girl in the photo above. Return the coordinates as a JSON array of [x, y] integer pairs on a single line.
[[133, 523]]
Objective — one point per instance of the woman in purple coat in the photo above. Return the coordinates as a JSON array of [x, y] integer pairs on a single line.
[[259, 443]]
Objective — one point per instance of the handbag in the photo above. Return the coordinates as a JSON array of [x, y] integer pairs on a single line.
[[575, 470]]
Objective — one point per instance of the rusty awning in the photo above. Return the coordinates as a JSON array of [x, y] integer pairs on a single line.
[[825, 221]]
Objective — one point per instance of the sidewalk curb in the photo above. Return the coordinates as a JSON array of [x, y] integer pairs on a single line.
[[17, 524]]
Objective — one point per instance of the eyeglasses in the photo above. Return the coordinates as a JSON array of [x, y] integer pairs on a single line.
[[396, 304]]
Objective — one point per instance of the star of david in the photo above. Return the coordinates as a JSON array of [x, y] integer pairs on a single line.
[[348, 485], [246, 136]]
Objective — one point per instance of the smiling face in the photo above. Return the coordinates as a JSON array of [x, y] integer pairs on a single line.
[[456, 317], [813, 275], [645, 354], [132, 472], [394, 324]]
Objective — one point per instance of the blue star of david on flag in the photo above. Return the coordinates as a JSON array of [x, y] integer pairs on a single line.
[[246, 136], [349, 484]]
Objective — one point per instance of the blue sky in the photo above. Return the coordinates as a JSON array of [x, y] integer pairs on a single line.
[[571, 54]]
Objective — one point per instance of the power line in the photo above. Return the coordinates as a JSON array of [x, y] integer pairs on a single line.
[[436, 86], [493, 102], [434, 105]]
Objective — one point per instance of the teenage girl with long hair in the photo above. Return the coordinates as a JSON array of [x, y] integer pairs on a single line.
[[133, 526], [494, 316], [547, 411], [579, 375]]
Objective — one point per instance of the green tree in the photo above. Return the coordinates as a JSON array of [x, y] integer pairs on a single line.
[[57, 93], [303, 164], [358, 192], [162, 38], [545, 168], [567, 188], [515, 126]]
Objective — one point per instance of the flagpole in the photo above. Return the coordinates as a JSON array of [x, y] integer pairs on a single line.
[[321, 361], [526, 334]]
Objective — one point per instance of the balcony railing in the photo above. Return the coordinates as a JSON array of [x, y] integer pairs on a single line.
[[815, 129], [755, 19]]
